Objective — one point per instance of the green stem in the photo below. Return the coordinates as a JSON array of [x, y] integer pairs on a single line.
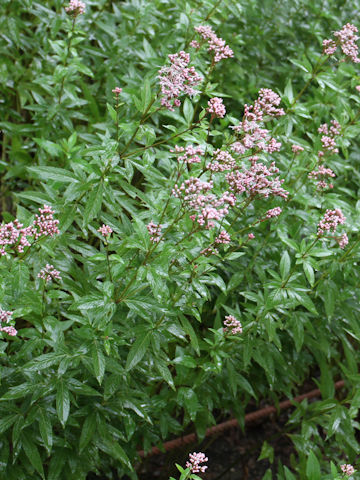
[[70, 37]]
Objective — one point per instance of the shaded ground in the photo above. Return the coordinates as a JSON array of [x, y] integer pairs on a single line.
[[233, 455]]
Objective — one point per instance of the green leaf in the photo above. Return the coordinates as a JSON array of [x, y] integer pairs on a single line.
[[191, 332], [62, 402], [138, 350], [309, 272], [32, 453], [285, 264], [45, 429], [99, 362], [313, 467], [112, 112], [93, 204], [53, 173], [113, 449], [88, 303], [165, 372], [267, 452], [289, 91], [50, 147], [188, 110], [57, 462], [44, 361], [19, 391], [7, 421], [146, 95], [87, 431]]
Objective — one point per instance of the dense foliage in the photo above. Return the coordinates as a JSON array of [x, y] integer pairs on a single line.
[[184, 262]]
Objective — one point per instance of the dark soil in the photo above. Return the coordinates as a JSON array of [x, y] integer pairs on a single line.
[[233, 455]]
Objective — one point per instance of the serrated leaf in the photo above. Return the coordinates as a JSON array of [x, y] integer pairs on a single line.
[[113, 449], [188, 110], [165, 372], [138, 350], [309, 272], [53, 173], [285, 264], [313, 467], [62, 402], [32, 453], [93, 204], [99, 362], [88, 431], [45, 429]]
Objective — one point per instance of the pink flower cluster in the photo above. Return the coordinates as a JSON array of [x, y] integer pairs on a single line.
[[347, 469], [105, 230], [223, 237], [346, 38], [155, 232], [252, 135], [296, 149], [216, 44], [257, 181], [328, 138], [321, 175], [330, 221], [14, 234], [209, 251], [251, 236], [222, 161], [194, 462], [232, 325], [117, 91], [216, 107], [45, 223], [5, 317], [274, 212], [176, 80], [207, 206], [75, 7], [343, 240], [49, 273], [191, 154]]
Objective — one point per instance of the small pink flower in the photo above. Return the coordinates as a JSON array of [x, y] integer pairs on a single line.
[[330, 221], [347, 469], [177, 79], [194, 462], [117, 91], [155, 232], [9, 330], [75, 7], [48, 273], [343, 240], [358, 88], [45, 223], [105, 230], [5, 316], [192, 154], [223, 237], [209, 251], [274, 212], [216, 44], [216, 107], [346, 38], [232, 325], [195, 44], [251, 236], [297, 149]]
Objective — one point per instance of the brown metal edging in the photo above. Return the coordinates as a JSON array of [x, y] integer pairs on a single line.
[[249, 417]]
